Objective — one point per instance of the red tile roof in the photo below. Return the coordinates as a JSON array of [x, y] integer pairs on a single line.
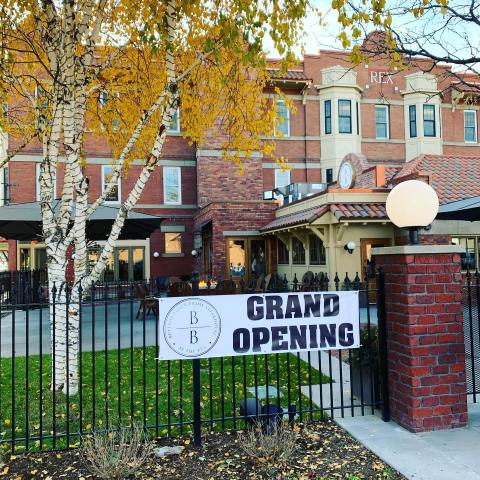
[[341, 211], [299, 218], [296, 75], [358, 211], [473, 87], [453, 177]]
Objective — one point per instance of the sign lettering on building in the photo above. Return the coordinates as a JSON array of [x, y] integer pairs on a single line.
[[229, 325], [377, 76]]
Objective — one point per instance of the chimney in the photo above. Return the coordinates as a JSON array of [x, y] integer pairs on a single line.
[[380, 176]]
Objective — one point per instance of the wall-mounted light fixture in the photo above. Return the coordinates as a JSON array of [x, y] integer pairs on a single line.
[[350, 246], [195, 253], [156, 254]]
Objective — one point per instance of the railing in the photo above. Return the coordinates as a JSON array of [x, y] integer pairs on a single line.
[[122, 383], [470, 306]]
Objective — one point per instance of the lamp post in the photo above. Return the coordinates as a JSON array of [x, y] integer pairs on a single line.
[[412, 204]]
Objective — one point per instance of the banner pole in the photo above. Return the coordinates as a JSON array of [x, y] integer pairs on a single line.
[[197, 419]]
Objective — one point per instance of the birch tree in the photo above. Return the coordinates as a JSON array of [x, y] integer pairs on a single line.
[[120, 69]]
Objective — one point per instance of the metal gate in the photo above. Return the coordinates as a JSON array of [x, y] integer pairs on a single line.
[[470, 304]]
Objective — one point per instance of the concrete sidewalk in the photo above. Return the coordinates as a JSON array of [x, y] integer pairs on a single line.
[[442, 455]]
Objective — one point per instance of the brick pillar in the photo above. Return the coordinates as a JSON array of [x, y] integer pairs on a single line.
[[425, 345]]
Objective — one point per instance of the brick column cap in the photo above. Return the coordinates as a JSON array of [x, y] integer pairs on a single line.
[[418, 250]]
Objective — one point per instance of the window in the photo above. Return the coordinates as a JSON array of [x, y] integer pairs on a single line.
[[115, 193], [103, 98], [358, 118], [172, 182], [412, 119], [344, 116], [298, 252], [175, 123], [173, 243], [4, 257], [282, 126], [381, 121], [329, 175], [470, 258], [328, 116], [5, 193], [317, 251], [429, 129], [282, 253], [282, 178], [37, 187], [470, 125]]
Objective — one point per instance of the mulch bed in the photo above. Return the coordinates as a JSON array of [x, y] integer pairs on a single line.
[[324, 451]]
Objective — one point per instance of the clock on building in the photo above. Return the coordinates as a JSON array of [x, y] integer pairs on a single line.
[[346, 175]]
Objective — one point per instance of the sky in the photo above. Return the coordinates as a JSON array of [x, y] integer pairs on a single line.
[[316, 36], [461, 39]]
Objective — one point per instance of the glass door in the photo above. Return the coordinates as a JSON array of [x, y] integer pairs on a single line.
[[257, 258], [122, 264], [25, 259], [247, 258], [138, 263], [237, 257]]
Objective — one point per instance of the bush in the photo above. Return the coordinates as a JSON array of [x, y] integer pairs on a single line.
[[278, 446], [369, 348], [116, 454]]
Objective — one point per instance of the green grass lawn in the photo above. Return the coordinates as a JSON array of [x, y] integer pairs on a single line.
[[129, 385]]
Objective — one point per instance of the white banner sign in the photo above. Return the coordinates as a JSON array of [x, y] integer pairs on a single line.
[[226, 325]]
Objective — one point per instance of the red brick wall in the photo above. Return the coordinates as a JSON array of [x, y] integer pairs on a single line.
[[426, 352], [426, 239], [246, 215], [219, 180]]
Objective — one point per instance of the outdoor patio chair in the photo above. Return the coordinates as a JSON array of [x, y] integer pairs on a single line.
[[225, 287], [307, 281], [258, 286], [179, 289], [148, 305]]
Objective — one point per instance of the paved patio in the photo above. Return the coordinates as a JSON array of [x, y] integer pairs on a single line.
[[109, 326]]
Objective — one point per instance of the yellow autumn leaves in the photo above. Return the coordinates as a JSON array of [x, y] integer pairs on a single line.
[[224, 92]]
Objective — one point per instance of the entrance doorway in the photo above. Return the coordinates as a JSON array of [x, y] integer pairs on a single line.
[[246, 257], [366, 245], [126, 264]]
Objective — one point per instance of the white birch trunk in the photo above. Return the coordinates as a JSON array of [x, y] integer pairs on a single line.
[[69, 106]]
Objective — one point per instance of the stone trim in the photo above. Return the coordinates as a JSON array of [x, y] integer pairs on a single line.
[[241, 233], [418, 250], [172, 228]]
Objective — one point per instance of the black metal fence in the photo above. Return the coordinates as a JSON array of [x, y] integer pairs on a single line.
[[470, 305], [121, 382]]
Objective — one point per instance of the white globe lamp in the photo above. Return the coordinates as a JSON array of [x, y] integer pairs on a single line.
[[412, 204]]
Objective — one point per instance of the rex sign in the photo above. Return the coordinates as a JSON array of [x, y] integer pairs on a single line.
[[226, 325]]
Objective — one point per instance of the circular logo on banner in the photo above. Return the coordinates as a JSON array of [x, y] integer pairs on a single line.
[[192, 327]]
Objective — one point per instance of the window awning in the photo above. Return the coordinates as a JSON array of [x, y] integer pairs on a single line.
[[23, 221], [467, 209]]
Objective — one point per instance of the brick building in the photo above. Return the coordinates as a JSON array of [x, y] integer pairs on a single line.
[[389, 117]]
